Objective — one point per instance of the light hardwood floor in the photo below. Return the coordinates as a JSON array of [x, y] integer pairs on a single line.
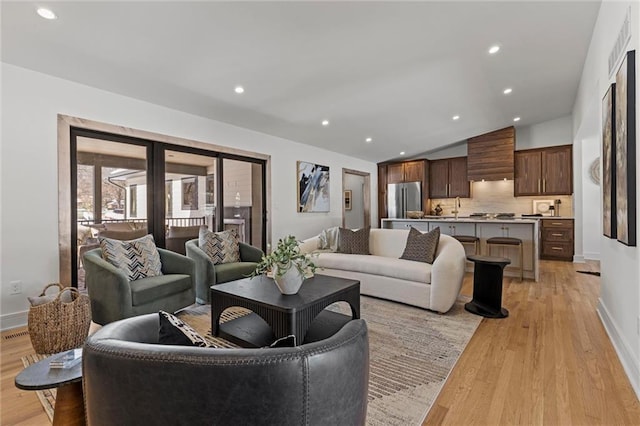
[[550, 362]]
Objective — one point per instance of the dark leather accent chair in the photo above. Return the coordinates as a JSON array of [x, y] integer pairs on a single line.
[[208, 274], [131, 380]]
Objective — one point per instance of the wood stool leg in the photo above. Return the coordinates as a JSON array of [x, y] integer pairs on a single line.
[[69, 407], [521, 262]]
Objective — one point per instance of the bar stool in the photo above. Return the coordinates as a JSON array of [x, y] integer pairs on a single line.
[[507, 242], [469, 239]]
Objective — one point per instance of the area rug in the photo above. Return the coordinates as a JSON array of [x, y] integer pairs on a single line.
[[412, 352], [47, 397]]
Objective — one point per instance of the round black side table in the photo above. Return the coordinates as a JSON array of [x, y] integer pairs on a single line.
[[69, 407], [487, 286]]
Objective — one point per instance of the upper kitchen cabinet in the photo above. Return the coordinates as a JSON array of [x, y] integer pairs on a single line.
[[544, 171], [410, 171], [448, 178], [382, 190]]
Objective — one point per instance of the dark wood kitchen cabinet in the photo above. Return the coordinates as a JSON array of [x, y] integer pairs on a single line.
[[408, 171], [448, 178], [556, 239], [544, 171]]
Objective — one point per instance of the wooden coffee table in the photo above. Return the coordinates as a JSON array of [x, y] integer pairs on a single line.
[[276, 315], [69, 407]]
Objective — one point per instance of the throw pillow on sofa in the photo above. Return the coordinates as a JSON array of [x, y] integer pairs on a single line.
[[174, 331], [354, 242], [421, 247], [138, 258], [329, 239], [221, 247]]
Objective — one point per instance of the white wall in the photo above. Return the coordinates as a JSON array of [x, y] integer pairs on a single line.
[[354, 218], [619, 305], [29, 221], [548, 133]]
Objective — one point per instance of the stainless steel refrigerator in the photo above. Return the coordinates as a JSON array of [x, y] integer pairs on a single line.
[[403, 197]]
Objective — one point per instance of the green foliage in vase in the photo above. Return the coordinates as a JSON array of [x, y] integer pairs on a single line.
[[286, 255]]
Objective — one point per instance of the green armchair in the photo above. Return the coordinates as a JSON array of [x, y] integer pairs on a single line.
[[208, 274], [114, 297]]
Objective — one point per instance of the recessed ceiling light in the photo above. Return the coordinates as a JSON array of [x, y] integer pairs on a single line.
[[239, 89], [368, 140], [46, 13], [325, 122], [516, 119], [402, 153], [494, 49], [507, 90], [455, 117]]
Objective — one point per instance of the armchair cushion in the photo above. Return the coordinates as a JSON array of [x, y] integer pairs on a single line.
[[221, 247], [138, 258], [226, 272], [148, 289]]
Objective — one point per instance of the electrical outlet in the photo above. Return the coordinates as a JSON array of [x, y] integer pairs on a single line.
[[16, 287]]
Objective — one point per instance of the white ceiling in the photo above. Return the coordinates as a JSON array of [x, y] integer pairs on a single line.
[[394, 71]]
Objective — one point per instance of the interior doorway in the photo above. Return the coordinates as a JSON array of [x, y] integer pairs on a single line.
[[356, 199]]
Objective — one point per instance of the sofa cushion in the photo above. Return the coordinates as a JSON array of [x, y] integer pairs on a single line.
[[377, 265], [221, 247], [226, 272], [138, 258], [354, 242], [151, 289], [174, 331], [421, 247]]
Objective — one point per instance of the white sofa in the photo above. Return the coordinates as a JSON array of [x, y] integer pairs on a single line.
[[383, 274]]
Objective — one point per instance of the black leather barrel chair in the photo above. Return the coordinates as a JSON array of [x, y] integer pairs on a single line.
[[129, 379]]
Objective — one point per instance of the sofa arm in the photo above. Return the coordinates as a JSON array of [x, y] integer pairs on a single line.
[[175, 263], [108, 289], [205, 275], [310, 244], [249, 253], [447, 274]]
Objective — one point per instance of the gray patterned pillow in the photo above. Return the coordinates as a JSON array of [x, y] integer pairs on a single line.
[[221, 247], [138, 258], [354, 242], [421, 247]]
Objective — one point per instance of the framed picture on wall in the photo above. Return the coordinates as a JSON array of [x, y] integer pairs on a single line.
[[347, 199], [210, 184], [625, 122], [190, 193], [609, 163], [313, 187]]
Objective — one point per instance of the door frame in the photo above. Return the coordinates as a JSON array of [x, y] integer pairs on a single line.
[[366, 194]]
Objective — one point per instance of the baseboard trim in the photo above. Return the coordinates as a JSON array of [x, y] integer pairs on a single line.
[[578, 258], [592, 256], [14, 320], [625, 354]]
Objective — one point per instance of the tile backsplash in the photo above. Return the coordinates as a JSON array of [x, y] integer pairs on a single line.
[[497, 197]]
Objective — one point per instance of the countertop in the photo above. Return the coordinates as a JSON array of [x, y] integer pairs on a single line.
[[470, 220]]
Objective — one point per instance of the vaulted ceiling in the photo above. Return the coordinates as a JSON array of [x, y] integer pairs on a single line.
[[396, 72]]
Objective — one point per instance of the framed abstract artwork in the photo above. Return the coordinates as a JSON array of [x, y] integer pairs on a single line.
[[625, 146], [313, 188], [609, 163]]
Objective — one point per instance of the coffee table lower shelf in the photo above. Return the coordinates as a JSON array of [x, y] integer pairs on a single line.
[[253, 332]]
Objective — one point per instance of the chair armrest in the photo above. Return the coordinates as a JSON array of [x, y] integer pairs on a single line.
[[176, 263], [249, 253], [108, 288], [447, 273], [205, 275]]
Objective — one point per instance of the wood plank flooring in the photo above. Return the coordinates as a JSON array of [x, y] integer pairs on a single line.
[[550, 362]]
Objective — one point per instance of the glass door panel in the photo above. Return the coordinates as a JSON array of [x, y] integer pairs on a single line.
[[243, 204]]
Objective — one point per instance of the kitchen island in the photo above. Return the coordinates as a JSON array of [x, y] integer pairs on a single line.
[[525, 229]]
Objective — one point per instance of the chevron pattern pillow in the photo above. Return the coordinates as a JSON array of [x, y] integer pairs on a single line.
[[221, 247], [174, 331], [421, 247], [138, 258]]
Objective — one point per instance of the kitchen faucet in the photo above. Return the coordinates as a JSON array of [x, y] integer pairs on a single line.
[[456, 206]]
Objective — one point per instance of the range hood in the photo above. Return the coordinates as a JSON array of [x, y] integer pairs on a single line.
[[491, 156]]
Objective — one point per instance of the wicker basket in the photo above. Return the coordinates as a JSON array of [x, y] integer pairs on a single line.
[[58, 326]]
